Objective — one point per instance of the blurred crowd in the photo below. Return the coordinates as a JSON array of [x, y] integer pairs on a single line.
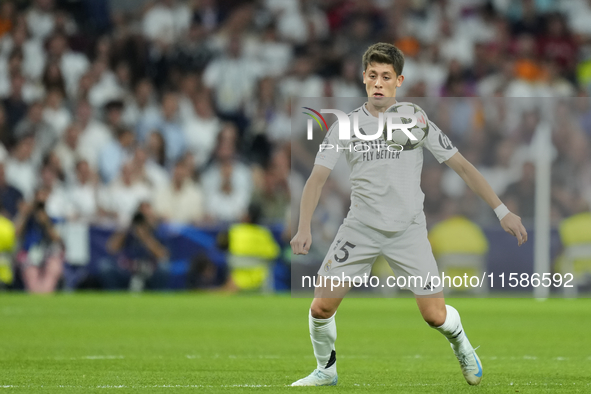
[[185, 104]]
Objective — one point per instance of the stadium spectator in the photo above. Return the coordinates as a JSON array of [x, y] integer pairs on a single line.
[[113, 114], [82, 194], [302, 82], [57, 204], [119, 200], [53, 79], [73, 65], [232, 79], [68, 150], [55, 113], [10, 197], [272, 195], [34, 124], [165, 21], [19, 43], [167, 122], [148, 170], [95, 134], [6, 136], [141, 105], [21, 171], [115, 153], [227, 182], [41, 18], [181, 201], [193, 51], [156, 148], [106, 88], [14, 105], [202, 129], [190, 86], [7, 14]]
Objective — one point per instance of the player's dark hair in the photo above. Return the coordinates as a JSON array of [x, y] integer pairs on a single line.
[[384, 53]]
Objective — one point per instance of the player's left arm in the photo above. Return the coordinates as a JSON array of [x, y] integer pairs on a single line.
[[510, 222]]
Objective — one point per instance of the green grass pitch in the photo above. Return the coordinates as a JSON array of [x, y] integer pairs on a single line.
[[179, 343]]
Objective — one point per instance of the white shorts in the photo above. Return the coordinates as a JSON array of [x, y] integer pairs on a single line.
[[356, 247]]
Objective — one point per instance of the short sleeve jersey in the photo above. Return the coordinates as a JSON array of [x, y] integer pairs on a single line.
[[385, 184]]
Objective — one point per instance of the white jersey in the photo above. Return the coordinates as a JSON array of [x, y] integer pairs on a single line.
[[385, 186]]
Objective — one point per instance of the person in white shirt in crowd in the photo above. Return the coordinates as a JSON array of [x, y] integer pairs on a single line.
[[30, 90], [275, 54], [45, 136], [20, 169], [146, 169], [119, 200], [181, 201], [167, 122], [227, 182], [298, 22], [41, 18], [68, 150], [115, 153], [95, 134], [232, 79], [82, 193], [302, 82], [30, 47], [166, 20], [202, 130], [73, 64], [106, 87], [57, 204], [189, 87], [141, 105], [55, 112]]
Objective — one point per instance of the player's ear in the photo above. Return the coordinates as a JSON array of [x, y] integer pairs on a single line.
[[399, 80], [363, 76]]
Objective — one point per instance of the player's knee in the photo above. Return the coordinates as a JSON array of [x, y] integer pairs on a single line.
[[320, 311], [434, 317]]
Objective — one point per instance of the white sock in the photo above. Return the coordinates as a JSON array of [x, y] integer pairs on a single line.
[[453, 330], [323, 333]]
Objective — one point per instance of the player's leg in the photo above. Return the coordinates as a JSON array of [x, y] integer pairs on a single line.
[[323, 328], [409, 255], [446, 319], [352, 254], [323, 334]]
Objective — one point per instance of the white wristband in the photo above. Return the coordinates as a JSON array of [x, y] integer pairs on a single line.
[[501, 211]]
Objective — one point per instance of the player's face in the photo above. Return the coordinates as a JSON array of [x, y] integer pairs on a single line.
[[381, 82]]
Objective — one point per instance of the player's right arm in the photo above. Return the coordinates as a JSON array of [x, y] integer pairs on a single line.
[[301, 242]]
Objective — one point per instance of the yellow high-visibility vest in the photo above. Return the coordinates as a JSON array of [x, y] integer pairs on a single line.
[[457, 235]]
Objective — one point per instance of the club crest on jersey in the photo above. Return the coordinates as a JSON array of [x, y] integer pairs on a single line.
[[327, 265]]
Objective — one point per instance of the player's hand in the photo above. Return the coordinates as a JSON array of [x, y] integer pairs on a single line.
[[300, 244], [511, 223]]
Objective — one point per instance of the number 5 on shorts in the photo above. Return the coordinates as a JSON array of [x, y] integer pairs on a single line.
[[344, 249]]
